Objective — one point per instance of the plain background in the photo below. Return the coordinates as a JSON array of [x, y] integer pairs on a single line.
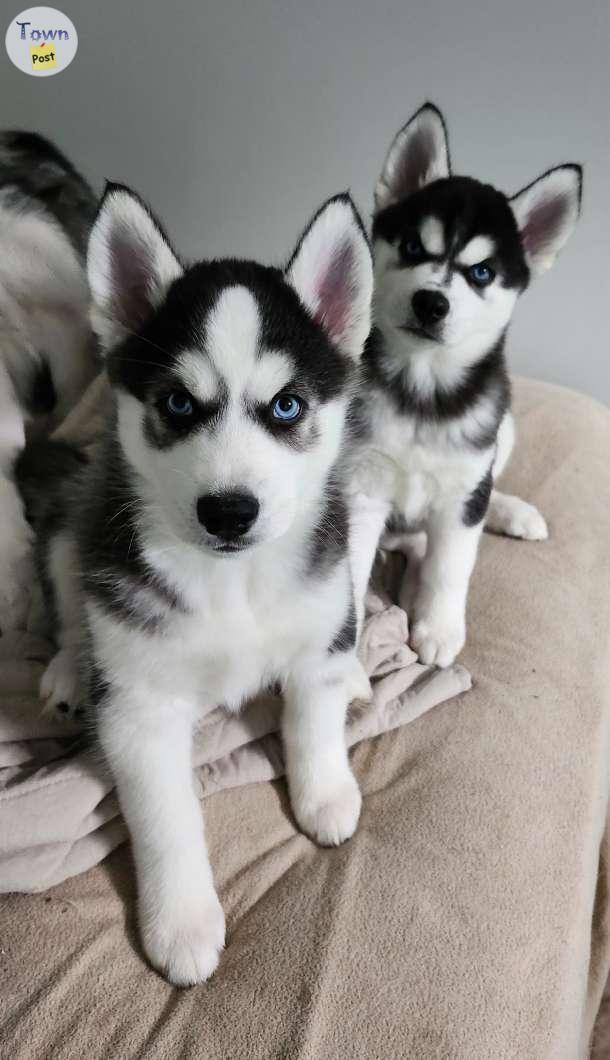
[[236, 119]]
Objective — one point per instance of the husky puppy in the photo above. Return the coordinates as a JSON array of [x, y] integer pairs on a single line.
[[205, 547], [46, 345], [452, 256]]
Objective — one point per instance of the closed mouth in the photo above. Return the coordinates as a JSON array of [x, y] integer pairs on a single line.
[[230, 547], [421, 333]]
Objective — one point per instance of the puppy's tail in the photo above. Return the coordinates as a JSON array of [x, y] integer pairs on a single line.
[[42, 471]]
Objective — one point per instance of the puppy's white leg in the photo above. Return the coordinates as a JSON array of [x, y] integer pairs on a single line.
[[61, 684], [505, 441], [16, 565], [324, 794], [514, 517], [147, 744], [368, 517], [508, 514], [439, 630]]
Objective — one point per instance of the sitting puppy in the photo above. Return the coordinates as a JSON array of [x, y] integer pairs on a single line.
[[47, 352], [205, 547], [452, 256]]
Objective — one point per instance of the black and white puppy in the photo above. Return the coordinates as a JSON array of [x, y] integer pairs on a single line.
[[205, 550], [452, 256], [47, 353]]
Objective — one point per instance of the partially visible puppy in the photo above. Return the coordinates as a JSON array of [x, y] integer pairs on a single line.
[[452, 255], [204, 551], [47, 351]]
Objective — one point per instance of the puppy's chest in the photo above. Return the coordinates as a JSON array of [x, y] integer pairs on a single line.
[[423, 464], [234, 635]]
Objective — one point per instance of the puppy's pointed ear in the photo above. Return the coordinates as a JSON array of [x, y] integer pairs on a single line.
[[419, 154], [130, 265], [546, 212], [332, 272]]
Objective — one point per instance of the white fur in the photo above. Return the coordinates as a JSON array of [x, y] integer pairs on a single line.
[[44, 304], [432, 235], [478, 249]]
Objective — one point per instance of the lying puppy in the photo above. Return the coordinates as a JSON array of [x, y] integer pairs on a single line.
[[47, 353], [452, 256], [205, 547]]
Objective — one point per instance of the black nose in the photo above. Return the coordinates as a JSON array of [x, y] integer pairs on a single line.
[[429, 306], [227, 515]]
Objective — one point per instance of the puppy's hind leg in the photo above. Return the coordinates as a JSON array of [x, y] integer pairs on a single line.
[[61, 686], [508, 514]]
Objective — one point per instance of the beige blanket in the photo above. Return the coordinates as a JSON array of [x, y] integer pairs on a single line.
[[58, 813], [467, 919]]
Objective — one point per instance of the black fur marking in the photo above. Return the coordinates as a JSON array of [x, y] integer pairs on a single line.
[[346, 637], [328, 543], [47, 474], [42, 397], [41, 469], [475, 506], [487, 378], [144, 361], [116, 574], [162, 430], [467, 208]]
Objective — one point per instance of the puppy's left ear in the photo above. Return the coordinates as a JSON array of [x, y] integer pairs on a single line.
[[419, 154], [332, 272], [546, 213]]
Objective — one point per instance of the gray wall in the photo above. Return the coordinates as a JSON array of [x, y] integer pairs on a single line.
[[235, 119]]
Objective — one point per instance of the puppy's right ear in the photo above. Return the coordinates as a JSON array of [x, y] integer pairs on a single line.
[[419, 154], [130, 265]]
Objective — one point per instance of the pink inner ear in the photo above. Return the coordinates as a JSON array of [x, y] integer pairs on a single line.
[[543, 223], [415, 161], [335, 291], [130, 273]]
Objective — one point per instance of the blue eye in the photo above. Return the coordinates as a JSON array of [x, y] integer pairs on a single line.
[[286, 408], [412, 248], [481, 274], [179, 404]]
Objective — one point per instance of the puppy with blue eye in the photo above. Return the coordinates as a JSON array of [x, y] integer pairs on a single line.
[[202, 555], [452, 256]]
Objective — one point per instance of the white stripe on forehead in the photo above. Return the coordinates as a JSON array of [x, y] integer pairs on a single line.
[[478, 249], [432, 235], [272, 372], [232, 335], [234, 360]]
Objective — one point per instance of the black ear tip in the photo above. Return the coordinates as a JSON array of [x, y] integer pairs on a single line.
[[429, 105]]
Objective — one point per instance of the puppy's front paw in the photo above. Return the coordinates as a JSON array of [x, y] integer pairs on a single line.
[[357, 684], [438, 640], [329, 812], [60, 685], [184, 944], [515, 518]]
